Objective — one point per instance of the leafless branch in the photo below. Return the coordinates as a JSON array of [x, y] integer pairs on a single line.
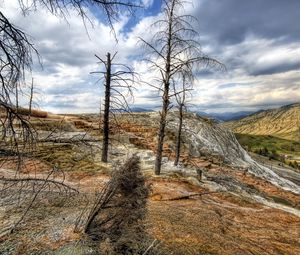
[[174, 51], [119, 83]]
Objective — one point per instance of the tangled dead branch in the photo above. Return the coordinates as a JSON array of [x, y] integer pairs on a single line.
[[110, 9], [15, 58], [190, 196], [120, 208], [174, 50], [27, 191]]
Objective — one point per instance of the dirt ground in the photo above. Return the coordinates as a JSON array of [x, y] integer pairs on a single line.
[[216, 223], [224, 224], [184, 215]]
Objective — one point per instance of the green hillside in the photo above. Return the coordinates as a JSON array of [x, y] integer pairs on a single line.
[[283, 122]]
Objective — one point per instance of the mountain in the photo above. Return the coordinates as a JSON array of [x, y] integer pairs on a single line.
[[140, 109], [283, 122], [226, 116]]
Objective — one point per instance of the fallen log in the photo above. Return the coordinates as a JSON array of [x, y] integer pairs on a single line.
[[190, 196]]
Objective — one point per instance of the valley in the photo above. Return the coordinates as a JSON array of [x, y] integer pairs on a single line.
[[273, 134], [283, 122]]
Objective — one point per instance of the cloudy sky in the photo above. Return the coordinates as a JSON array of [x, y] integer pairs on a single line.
[[258, 41]]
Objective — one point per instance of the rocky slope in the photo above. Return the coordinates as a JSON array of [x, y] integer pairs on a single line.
[[283, 122], [208, 138], [201, 138]]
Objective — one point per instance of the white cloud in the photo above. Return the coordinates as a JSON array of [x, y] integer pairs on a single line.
[[147, 3], [68, 52]]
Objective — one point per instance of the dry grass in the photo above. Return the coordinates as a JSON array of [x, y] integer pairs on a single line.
[[57, 125], [25, 111], [283, 122], [69, 157]]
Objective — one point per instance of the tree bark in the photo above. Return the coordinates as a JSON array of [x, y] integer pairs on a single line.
[[17, 99], [161, 133], [166, 102], [106, 111], [178, 141], [30, 99]]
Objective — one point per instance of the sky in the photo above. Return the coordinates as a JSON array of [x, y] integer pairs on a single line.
[[258, 41]]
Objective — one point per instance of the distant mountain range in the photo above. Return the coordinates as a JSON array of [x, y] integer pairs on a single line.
[[140, 109], [226, 116], [255, 122], [283, 122]]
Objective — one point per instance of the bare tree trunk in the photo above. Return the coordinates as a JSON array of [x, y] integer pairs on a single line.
[[30, 99], [17, 98], [118, 77], [106, 110], [166, 102], [177, 52], [100, 115], [161, 133], [178, 141]]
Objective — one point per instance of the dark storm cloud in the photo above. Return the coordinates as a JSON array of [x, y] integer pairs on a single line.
[[245, 105], [74, 90], [231, 85], [283, 67], [205, 73], [230, 21], [257, 40], [240, 33]]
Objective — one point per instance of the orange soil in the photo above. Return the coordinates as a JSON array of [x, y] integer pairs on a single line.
[[220, 224]]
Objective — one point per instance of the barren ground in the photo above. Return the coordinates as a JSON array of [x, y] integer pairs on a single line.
[[227, 220]]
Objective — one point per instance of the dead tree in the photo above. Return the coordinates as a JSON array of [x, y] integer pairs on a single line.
[[173, 49], [17, 98], [120, 208], [16, 52], [178, 138], [16, 48], [15, 58], [106, 109], [111, 8], [181, 100], [30, 99], [118, 86]]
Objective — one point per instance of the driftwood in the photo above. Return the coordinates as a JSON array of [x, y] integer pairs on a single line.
[[151, 246]]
